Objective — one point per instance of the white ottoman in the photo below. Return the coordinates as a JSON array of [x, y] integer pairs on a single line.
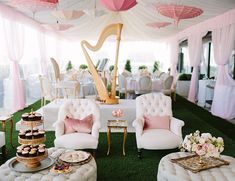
[[86, 172], [168, 171]]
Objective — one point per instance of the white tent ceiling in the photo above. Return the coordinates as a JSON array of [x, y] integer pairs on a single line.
[[89, 26]]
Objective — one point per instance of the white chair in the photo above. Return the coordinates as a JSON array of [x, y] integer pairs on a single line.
[[167, 85], [78, 109], [46, 90], [122, 86], [144, 85], [70, 87], [3, 143], [156, 139]]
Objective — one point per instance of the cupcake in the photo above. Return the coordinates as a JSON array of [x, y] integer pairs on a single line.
[[41, 146], [28, 131], [22, 134], [38, 116], [35, 135], [26, 148], [41, 151], [32, 153], [41, 133], [19, 152], [21, 147], [28, 135], [31, 117], [25, 153], [25, 116], [35, 130]]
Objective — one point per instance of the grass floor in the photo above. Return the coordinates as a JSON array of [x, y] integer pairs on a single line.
[[129, 167]]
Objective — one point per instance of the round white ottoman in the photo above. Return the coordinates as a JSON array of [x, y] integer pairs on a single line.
[[168, 171], [86, 172]]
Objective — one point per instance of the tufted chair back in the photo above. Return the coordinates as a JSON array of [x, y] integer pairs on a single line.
[[153, 104], [168, 82], [145, 83], [79, 109]]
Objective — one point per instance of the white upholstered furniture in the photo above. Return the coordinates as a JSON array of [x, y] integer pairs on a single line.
[[156, 139], [167, 85], [2, 143], [168, 171], [78, 109], [85, 172], [144, 84]]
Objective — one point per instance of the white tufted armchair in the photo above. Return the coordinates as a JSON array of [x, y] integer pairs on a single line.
[[156, 139], [78, 109]]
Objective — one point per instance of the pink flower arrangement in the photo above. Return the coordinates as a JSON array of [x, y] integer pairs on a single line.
[[117, 113], [203, 145]]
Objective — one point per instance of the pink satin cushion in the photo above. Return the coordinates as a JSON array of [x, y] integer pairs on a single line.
[[156, 122], [84, 125]]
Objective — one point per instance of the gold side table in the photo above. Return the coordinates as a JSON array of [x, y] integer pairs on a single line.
[[3, 121], [117, 124]]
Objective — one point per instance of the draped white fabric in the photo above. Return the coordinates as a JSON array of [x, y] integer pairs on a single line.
[[174, 50], [14, 38], [195, 54], [224, 95], [43, 50]]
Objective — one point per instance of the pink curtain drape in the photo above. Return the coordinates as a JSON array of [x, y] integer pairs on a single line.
[[195, 54], [14, 38], [224, 94]]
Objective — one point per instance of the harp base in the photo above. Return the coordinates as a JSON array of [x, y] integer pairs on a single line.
[[113, 100]]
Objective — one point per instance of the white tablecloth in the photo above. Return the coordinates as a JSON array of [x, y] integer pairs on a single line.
[[50, 113], [132, 84], [204, 93]]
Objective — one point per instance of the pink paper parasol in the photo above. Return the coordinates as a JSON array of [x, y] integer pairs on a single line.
[[34, 5], [118, 5], [57, 26], [178, 12], [67, 14], [158, 24]]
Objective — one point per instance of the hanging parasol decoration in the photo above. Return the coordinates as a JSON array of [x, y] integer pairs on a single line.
[[178, 12], [34, 5], [67, 14], [118, 5], [57, 26], [158, 24]]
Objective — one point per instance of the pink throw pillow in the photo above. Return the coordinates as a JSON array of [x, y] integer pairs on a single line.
[[72, 125], [156, 122]]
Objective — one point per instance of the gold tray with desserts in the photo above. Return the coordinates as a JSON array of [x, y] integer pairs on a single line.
[[76, 157], [34, 141], [32, 162]]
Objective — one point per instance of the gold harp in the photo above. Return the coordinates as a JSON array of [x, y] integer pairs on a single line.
[[113, 29]]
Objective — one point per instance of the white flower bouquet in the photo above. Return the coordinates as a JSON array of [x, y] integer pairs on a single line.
[[203, 145]]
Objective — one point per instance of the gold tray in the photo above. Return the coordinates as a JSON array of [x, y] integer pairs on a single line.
[[32, 141], [195, 163], [20, 167]]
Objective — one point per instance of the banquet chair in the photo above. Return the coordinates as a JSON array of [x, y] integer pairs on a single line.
[[164, 131], [69, 87], [46, 90], [167, 85], [77, 110], [122, 86], [3, 143], [144, 85]]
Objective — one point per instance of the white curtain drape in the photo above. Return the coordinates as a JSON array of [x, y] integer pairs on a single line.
[[14, 38], [174, 51], [223, 40], [43, 52], [195, 55]]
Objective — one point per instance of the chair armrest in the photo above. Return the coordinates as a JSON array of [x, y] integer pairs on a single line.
[[176, 126], [138, 124], [95, 130], [59, 128]]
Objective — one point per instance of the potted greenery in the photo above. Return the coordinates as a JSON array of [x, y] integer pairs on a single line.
[[142, 67], [83, 67], [111, 67], [156, 66], [128, 65], [69, 66]]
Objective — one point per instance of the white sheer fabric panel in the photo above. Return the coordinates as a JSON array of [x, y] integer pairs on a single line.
[[223, 103]]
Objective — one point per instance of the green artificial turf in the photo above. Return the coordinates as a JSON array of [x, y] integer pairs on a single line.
[[129, 167]]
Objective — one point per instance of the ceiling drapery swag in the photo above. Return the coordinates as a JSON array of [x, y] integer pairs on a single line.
[[120, 5], [158, 24]]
